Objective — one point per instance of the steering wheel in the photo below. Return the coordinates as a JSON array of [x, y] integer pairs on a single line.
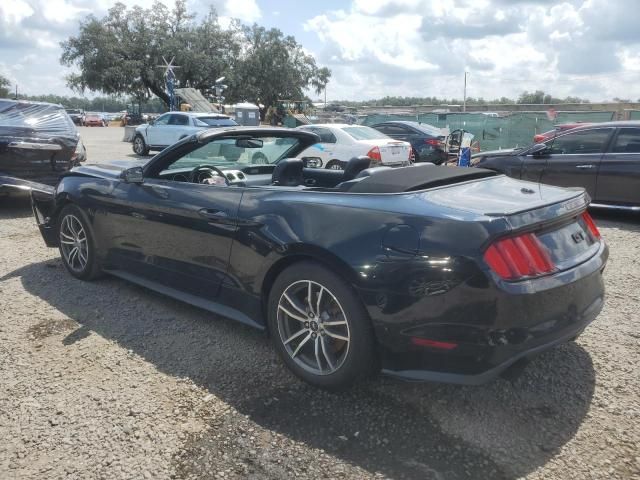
[[193, 176]]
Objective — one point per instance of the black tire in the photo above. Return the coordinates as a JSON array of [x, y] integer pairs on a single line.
[[91, 268], [353, 360], [139, 146], [335, 165]]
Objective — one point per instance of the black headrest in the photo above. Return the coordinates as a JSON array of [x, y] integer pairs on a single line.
[[288, 172], [355, 166], [371, 171]]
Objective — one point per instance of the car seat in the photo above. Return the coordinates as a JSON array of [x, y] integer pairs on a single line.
[[288, 172], [355, 166]]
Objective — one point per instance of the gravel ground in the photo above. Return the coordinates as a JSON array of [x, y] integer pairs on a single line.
[[107, 380]]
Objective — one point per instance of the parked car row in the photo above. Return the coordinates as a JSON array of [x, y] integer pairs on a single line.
[[423, 272], [251, 224]]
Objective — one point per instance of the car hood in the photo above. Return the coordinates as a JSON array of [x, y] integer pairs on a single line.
[[111, 169]]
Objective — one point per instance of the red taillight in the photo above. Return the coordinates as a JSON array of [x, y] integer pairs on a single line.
[[591, 225], [374, 154], [519, 257], [434, 142], [538, 138], [425, 342]]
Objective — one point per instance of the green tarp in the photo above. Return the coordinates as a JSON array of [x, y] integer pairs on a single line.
[[493, 132]]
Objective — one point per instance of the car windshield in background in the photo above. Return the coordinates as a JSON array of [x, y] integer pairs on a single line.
[[428, 129], [363, 133], [214, 122], [225, 153]]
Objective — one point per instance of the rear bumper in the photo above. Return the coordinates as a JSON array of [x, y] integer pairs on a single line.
[[493, 372], [21, 187], [487, 327]]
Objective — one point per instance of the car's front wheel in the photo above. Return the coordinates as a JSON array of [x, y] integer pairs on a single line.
[[139, 146], [319, 327], [76, 244]]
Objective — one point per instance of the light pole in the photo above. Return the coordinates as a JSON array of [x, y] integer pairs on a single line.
[[464, 101]]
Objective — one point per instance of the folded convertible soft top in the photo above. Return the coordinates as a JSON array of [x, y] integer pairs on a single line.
[[417, 178]]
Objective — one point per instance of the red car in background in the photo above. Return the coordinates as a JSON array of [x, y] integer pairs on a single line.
[[94, 120], [563, 127]]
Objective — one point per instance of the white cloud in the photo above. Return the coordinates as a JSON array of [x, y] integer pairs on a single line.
[[246, 10], [393, 47], [422, 47]]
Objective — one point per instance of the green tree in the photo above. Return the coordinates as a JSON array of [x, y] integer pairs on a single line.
[[4, 87], [121, 53], [274, 66]]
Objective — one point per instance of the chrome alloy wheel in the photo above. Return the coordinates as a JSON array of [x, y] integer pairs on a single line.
[[73, 243], [313, 327], [138, 145]]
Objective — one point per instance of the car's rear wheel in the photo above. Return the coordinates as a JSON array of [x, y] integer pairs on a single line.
[[319, 327], [259, 158], [335, 165], [139, 146], [76, 244]]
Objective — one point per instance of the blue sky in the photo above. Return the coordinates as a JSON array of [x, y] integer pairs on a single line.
[[585, 48]]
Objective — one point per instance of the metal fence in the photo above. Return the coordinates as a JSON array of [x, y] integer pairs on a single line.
[[494, 132]]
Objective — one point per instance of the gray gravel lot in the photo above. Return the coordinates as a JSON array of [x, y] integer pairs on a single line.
[[107, 380]]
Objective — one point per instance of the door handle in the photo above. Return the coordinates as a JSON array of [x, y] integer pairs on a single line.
[[582, 167], [212, 214]]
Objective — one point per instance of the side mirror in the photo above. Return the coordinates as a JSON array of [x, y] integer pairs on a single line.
[[132, 175], [537, 149], [151, 121], [312, 162]]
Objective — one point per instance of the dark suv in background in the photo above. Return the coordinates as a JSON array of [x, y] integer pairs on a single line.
[[603, 158], [426, 141]]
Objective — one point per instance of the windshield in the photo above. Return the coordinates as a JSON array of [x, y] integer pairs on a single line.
[[225, 153], [363, 133], [214, 122]]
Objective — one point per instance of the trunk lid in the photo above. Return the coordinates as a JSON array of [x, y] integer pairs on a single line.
[[504, 196], [554, 215]]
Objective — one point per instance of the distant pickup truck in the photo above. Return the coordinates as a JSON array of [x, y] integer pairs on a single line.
[[170, 127]]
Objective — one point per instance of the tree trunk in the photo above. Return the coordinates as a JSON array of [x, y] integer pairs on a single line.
[[158, 92]]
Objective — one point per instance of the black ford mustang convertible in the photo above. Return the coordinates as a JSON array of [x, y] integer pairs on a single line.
[[423, 272]]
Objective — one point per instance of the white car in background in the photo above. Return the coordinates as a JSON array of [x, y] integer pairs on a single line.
[[171, 127], [341, 142]]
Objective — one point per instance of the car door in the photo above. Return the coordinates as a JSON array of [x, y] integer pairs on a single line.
[[179, 124], [572, 160], [158, 132], [619, 173], [173, 233]]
